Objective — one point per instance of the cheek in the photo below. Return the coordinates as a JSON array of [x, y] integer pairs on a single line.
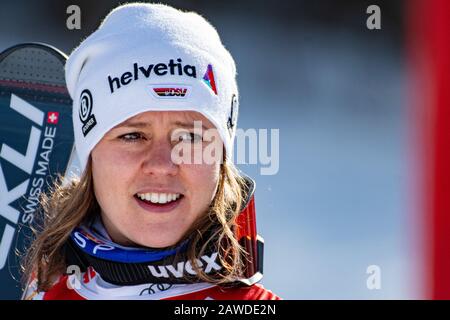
[[202, 180], [111, 173], [110, 156]]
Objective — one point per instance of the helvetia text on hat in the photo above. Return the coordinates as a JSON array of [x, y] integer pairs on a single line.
[[159, 69]]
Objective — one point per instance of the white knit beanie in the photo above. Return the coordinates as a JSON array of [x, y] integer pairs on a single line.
[[150, 57]]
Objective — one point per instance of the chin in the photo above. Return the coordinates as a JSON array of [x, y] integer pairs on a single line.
[[158, 243]]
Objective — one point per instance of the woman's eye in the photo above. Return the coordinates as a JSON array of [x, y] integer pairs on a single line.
[[131, 137], [190, 137]]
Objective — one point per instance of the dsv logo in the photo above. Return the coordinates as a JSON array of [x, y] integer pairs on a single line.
[[183, 266], [85, 112], [170, 92]]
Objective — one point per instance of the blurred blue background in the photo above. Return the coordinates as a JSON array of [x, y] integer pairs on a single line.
[[336, 91]]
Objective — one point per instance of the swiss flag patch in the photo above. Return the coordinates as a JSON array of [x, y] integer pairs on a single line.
[[53, 117]]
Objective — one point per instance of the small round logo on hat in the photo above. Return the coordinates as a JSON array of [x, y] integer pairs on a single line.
[[85, 105], [232, 118], [85, 112]]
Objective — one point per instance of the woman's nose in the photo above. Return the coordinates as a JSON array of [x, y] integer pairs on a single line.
[[158, 160]]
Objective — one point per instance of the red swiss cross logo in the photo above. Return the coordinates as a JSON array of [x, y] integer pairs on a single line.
[[52, 117]]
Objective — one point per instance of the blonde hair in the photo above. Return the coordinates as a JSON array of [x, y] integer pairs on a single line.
[[65, 207]]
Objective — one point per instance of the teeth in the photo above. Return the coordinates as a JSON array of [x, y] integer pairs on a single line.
[[159, 197]]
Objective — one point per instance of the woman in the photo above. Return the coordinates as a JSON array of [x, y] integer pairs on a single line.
[[159, 211]]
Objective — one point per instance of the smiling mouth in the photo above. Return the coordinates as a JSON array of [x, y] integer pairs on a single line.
[[160, 199]]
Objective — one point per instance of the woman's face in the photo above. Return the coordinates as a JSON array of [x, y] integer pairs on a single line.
[[146, 197]]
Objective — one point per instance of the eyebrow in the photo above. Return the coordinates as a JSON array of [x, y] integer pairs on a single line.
[[134, 124], [188, 125], [147, 124]]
